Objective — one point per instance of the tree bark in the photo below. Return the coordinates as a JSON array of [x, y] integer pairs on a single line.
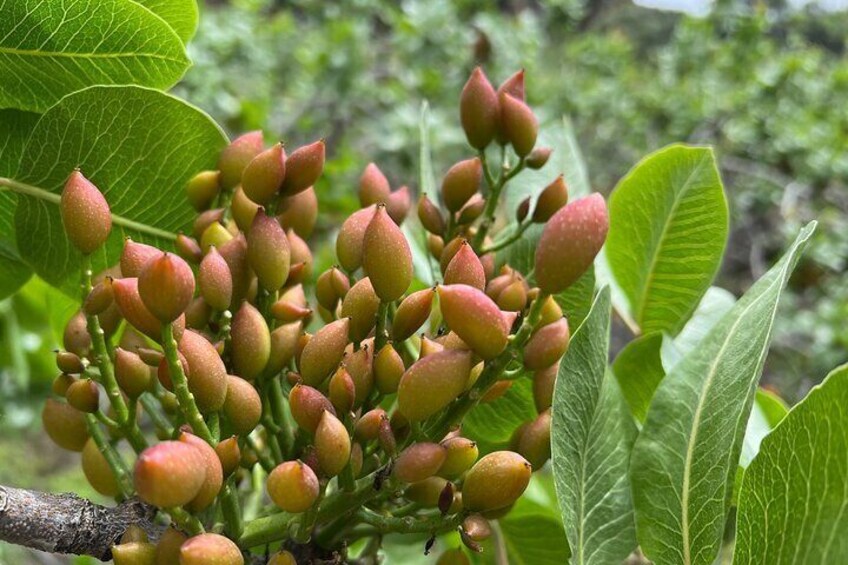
[[66, 523]]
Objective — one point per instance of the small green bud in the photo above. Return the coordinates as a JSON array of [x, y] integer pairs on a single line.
[[203, 188], [430, 216], [235, 157], [350, 238], [534, 444], [308, 406], [519, 124], [243, 407], [399, 204], [207, 374], [547, 346], [342, 390], [360, 305], [65, 425], [569, 243], [412, 313], [538, 158], [293, 487], [303, 168], [134, 553], [251, 342], [418, 462], [169, 474], [215, 280], [388, 369], [299, 212], [461, 182], [332, 445], [465, 268], [166, 286], [386, 257], [215, 235], [85, 214], [478, 110], [324, 352], [210, 549], [475, 318], [374, 187], [268, 251], [433, 382], [543, 387], [552, 198], [213, 473], [460, 455], [263, 176], [229, 454], [84, 395], [97, 470], [495, 481]]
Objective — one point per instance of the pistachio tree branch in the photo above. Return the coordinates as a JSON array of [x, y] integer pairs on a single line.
[[184, 395]]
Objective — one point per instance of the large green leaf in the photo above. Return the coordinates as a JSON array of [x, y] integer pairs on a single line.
[[668, 229], [15, 127], [592, 434], [792, 507], [686, 456], [138, 145], [50, 49], [181, 15], [492, 424], [639, 369]]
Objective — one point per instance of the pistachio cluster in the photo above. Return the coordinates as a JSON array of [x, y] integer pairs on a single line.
[[341, 395]]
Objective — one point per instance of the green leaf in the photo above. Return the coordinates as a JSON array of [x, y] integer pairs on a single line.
[[686, 456], [61, 46], [180, 15], [15, 127], [774, 408], [713, 306], [792, 507], [592, 434], [492, 424], [668, 229], [139, 146], [639, 369]]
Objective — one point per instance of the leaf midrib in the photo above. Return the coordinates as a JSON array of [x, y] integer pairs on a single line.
[[78, 55]]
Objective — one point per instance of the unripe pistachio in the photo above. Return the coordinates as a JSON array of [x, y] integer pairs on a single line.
[[356, 459], [100, 298], [494, 392], [308, 406], [513, 85], [166, 286], [65, 425], [204, 220], [229, 455], [435, 245], [520, 125], [97, 470], [429, 346], [350, 238], [360, 305], [551, 311], [214, 473], [418, 462], [388, 369], [210, 549], [399, 204], [84, 395], [85, 213], [465, 268], [215, 235], [134, 533], [522, 210], [134, 553], [538, 158], [207, 375], [543, 387], [342, 390], [69, 362], [303, 168], [471, 210], [433, 382], [412, 313], [460, 455], [61, 383], [169, 474], [293, 487], [324, 351], [514, 297], [243, 209], [426, 492], [551, 199], [168, 548], [234, 253], [478, 110], [461, 182], [135, 257], [151, 357], [332, 445], [282, 558], [569, 243], [495, 481], [430, 216], [360, 367], [547, 345], [475, 318], [373, 186], [453, 556], [302, 341], [332, 285], [251, 342], [452, 341], [235, 157], [283, 344], [76, 338], [451, 248], [263, 176], [386, 257], [477, 527], [215, 280], [300, 253], [242, 406], [268, 251], [288, 312], [188, 248], [202, 189], [299, 212], [535, 443], [368, 426], [386, 437]]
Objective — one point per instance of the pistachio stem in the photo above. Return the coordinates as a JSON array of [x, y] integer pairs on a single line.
[[409, 525], [151, 408], [381, 335], [184, 396], [116, 464], [285, 435], [261, 454], [231, 509], [185, 521], [267, 529], [308, 519], [506, 242], [495, 189]]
